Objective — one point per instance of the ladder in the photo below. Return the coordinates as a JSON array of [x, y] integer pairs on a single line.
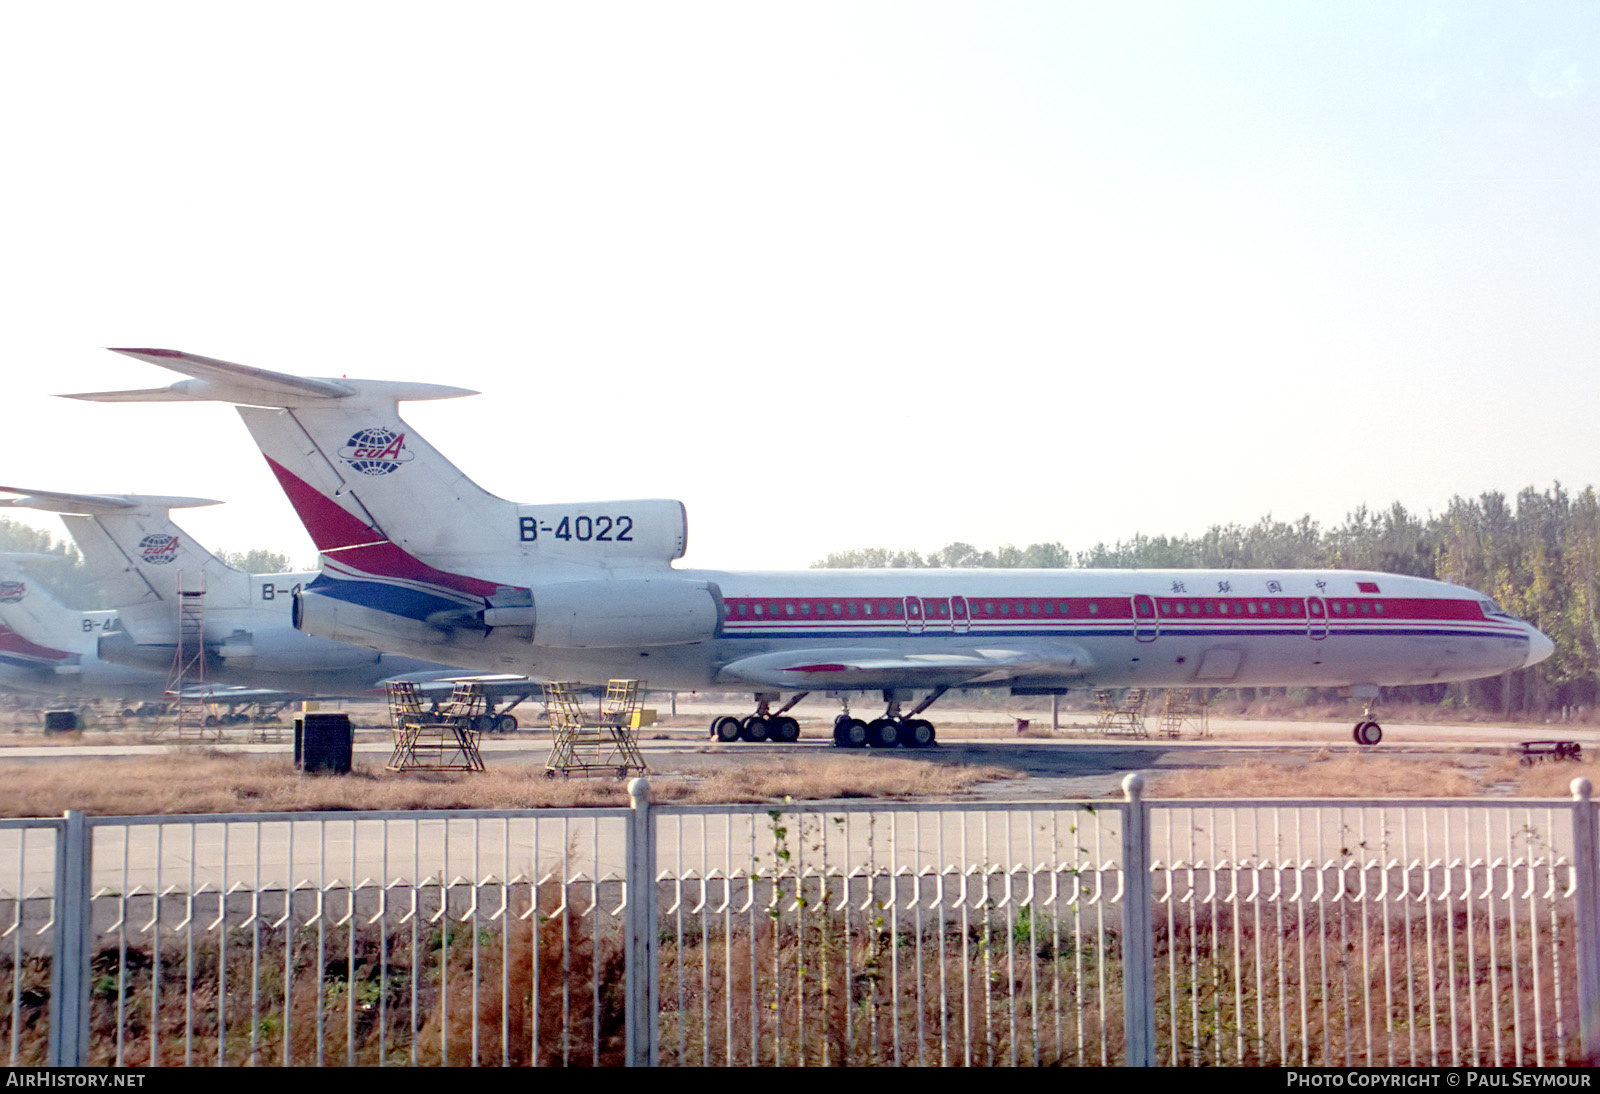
[[185, 691]]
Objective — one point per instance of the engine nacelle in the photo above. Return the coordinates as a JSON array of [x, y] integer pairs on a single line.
[[284, 650], [343, 621], [618, 613], [119, 648]]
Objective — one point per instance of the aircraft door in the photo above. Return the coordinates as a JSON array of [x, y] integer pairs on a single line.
[[1146, 624], [916, 623], [1316, 618], [960, 615]]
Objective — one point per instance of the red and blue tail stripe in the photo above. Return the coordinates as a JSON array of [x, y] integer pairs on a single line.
[[363, 566], [18, 651]]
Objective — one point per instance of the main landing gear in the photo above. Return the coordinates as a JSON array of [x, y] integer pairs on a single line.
[[908, 731], [764, 725], [1368, 731]]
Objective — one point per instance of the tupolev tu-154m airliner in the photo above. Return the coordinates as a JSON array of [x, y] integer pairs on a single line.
[[419, 560]]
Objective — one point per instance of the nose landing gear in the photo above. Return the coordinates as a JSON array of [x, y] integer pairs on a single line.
[[1367, 731]]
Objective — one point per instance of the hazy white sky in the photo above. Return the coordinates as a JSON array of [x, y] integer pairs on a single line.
[[835, 275]]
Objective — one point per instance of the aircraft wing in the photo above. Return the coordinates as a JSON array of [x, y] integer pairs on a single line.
[[212, 694], [439, 686], [866, 668]]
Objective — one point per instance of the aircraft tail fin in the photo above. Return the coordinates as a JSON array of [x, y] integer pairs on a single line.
[[132, 547], [36, 629], [368, 486]]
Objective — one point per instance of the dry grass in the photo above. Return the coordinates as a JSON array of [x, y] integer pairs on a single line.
[[1544, 780], [203, 781], [209, 781], [811, 779], [1346, 775]]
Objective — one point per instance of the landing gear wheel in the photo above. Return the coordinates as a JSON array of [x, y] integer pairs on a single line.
[[883, 733], [505, 723], [917, 733], [1368, 733], [755, 728], [784, 729], [483, 723], [725, 729], [850, 733]]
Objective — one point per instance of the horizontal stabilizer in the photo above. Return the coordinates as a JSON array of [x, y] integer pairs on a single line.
[[29, 558], [52, 501], [222, 381]]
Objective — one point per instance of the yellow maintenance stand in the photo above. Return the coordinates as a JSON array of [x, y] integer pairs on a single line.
[[598, 744]]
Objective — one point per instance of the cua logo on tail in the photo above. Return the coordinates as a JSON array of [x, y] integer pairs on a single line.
[[159, 549], [375, 451]]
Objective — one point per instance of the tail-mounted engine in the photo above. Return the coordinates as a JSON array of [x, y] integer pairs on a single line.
[[602, 614]]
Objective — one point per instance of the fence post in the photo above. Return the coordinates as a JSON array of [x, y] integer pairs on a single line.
[[1138, 961], [1586, 862], [69, 966], [641, 989]]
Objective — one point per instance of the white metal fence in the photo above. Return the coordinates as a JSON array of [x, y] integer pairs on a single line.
[[1303, 933]]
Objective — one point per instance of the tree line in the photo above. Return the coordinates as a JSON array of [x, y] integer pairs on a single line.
[[1538, 555]]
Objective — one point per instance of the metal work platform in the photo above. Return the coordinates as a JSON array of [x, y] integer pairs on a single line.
[[598, 744], [1186, 706], [1120, 716], [445, 739]]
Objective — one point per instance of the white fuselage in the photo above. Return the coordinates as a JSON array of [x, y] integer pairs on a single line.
[[1223, 628]]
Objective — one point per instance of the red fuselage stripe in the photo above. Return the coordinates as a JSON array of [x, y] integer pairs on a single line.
[[1186, 609]]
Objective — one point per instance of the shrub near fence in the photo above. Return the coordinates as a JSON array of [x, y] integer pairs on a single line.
[[1327, 933]]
